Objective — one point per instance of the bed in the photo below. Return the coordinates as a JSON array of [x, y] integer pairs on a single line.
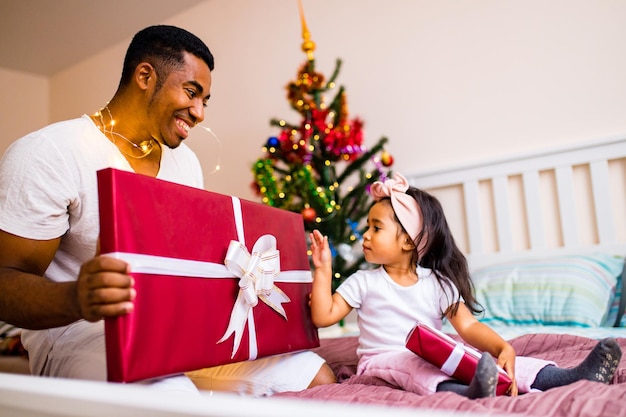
[[545, 237], [522, 221]]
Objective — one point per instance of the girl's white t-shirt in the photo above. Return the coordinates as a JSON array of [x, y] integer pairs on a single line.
[[386, 311]]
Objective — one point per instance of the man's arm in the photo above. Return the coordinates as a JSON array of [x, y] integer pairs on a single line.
[[31, 301]]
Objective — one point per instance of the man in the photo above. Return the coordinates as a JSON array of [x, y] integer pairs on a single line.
[[50, 281]]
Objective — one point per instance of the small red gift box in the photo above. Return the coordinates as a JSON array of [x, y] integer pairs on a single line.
[[218, 279], [453, 358]]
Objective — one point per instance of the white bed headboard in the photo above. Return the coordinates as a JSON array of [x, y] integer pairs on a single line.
[[568, 199]]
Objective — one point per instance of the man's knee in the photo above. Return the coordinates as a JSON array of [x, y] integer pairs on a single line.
[[324, 376]]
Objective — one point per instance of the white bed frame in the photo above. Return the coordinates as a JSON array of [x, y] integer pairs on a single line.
[[22, 395], [484, 192], [563, 200]]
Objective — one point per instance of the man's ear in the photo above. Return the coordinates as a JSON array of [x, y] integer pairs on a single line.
[[144, 75]]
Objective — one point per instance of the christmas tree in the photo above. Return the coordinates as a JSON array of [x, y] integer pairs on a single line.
[[319, 167]]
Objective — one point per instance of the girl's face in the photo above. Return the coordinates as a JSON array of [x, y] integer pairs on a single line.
[[384, 242]]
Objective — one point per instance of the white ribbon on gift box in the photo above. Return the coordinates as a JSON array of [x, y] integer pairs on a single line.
[[453, 361], [257, 272], [272, 295], [455, 357]]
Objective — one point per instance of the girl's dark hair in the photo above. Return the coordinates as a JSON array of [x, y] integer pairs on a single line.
[[163, 47], [439, 252]]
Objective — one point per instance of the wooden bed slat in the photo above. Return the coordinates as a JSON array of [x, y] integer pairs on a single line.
[[602, 200], [472, 208], [503, 213], [567, 205], [532, 201]]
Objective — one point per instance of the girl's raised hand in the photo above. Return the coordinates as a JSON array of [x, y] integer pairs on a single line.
[[320, 250]]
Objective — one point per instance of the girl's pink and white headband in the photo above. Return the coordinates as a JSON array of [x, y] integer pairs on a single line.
[[406, 208]]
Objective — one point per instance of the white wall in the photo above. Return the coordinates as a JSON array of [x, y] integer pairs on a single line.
[[24, 104], [448, 81]]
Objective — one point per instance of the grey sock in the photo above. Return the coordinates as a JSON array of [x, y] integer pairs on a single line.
[[599, 366], [483, 383], [485, 379], [453, 386]]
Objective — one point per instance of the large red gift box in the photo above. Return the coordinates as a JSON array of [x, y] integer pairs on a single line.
[[453, 358], [218, 279]]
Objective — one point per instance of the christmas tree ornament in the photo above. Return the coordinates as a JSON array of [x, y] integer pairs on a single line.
[[354, 227], [308, 46], [345, 251], [386, 159], [309, 214], [273, 142]]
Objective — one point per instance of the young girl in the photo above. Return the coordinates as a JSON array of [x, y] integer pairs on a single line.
[[423, 276]]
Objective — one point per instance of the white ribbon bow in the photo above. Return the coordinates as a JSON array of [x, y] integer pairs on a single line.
[[256, 273]]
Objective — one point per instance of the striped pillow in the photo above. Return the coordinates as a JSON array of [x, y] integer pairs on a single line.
[[572, 290]]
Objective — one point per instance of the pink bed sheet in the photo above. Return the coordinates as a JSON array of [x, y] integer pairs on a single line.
[[583, 398]]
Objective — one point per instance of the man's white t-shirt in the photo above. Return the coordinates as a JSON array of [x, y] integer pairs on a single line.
[[48, 189]]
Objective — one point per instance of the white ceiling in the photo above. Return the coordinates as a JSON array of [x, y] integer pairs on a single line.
[[45, 36]]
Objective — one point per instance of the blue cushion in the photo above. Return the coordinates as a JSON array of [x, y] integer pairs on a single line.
[[571, 290]]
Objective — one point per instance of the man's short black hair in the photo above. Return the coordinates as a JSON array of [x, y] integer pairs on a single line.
[[163, 47]]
